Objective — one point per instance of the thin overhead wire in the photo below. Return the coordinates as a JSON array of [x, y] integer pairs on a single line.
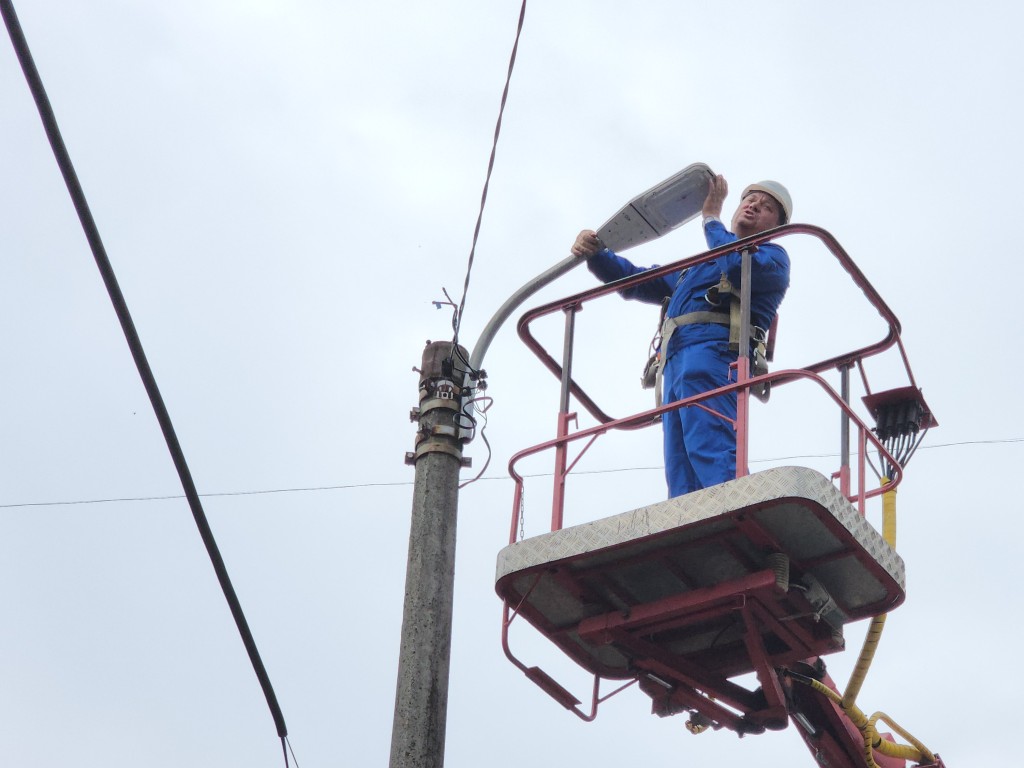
[[506, 478], [457, 320], [92, 234]]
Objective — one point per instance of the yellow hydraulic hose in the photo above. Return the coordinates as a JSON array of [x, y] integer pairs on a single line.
[[915, 753], [867, 653], [872, 740], [874, 634], [889, 515]]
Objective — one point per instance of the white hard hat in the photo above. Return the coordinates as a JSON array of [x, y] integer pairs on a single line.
[[777, 191]]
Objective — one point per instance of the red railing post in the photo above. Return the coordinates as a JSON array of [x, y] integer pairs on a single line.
[[564, 417], [742, 417]]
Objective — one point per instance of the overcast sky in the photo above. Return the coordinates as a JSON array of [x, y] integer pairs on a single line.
[[284, 188]]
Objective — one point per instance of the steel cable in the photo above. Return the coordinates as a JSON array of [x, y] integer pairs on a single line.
[[67, 170]]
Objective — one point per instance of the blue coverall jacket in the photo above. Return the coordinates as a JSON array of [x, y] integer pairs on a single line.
[[700, 448]]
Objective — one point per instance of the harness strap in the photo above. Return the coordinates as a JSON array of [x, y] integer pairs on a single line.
[[715, 294], [669, 327], [758, 336]]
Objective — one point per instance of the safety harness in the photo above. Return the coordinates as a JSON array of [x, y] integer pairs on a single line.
[[758, 336]]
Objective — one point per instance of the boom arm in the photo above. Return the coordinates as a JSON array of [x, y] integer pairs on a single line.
[[826, 729]]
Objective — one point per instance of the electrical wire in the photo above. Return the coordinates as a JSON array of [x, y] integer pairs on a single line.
[[457, 319], [402, 483], [474, 403], [471, 381], [286, 745], [92, 234]]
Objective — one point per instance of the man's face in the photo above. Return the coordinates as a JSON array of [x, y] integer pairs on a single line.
[[756, 213]]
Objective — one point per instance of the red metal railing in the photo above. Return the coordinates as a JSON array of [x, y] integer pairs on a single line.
[[731, 705], [742, 384]]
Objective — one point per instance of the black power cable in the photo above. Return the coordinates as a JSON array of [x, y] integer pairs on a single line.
[[457, 319], [60, 152]]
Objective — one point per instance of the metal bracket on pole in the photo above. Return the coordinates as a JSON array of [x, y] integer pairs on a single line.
[[429, 445]]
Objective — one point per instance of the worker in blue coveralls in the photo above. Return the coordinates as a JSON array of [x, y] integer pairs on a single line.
[[700, 448]]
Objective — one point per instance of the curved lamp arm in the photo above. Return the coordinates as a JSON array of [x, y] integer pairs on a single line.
[[651, 214]]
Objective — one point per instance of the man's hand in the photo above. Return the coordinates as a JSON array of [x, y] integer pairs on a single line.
[[586, 245], [718, 190]]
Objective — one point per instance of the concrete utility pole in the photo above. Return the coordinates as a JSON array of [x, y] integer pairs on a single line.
[[421, 697], [421, 700]]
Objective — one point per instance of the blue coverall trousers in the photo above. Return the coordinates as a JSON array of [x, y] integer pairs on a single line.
[[700, 447]]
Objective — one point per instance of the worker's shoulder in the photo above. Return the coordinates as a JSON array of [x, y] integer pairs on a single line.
[[774, 250]]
